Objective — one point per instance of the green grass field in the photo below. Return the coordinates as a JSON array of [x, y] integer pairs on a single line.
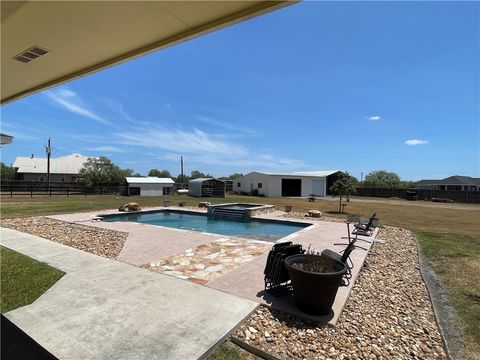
[[23, 279], [456, 260], [447, 233]]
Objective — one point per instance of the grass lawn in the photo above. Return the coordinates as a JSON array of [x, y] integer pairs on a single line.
[[456, 260], [448, 234], [23, 279], [226, 352]]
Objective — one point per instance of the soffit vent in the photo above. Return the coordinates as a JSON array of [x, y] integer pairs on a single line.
[[30, 54]]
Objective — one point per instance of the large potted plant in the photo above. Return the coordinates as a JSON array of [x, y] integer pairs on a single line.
[[315, 280]]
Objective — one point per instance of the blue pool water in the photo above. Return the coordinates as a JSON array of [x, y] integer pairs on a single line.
[[255, 229], [238, 206]]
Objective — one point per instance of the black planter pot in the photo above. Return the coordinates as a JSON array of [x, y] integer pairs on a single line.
[[314, 292]]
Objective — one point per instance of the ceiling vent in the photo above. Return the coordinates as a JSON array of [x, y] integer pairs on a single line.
[[30, 54]]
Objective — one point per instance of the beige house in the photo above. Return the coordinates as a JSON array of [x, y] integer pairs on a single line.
[[62, 169]]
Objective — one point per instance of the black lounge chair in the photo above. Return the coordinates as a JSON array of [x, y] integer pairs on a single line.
[[276, 276], [344, 255], [366, 228]]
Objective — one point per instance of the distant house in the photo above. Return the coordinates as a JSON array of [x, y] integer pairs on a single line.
[[206, 187], [455, 182], [149, 186], [286, 184], [62, 169]]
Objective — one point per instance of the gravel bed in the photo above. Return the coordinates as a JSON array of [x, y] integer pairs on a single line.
[[106, 243], [387, 316], [303, 215]]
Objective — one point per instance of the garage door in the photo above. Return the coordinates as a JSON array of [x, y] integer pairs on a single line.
[[291, 187], [318, 187]]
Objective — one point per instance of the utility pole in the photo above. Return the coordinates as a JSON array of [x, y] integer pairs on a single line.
[[181, 167], [49, 152]]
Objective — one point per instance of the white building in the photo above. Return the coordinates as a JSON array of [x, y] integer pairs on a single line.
[[62, 169], [285, 184], [149, 186]]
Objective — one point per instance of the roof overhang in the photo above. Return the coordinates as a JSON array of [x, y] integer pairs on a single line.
[[5, 139], [83, 37]]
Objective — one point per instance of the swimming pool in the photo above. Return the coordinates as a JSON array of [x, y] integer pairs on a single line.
[[254, 229]]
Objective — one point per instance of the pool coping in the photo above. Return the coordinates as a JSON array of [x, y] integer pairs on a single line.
[[142, 236]]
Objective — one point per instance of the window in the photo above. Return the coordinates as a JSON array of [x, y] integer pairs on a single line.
[[238, 184], [62, 178], [260, 185], [41, 179]]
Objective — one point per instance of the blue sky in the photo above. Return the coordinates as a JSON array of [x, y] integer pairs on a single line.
[[316, 86]]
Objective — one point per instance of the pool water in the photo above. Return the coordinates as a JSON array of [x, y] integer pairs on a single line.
[[254, 229], [237, 206]]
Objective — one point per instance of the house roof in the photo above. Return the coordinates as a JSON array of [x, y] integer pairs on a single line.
[[452, 180], [304, 173], [202, 180], [148, 180], [5, 139], [70, 164], [123, 30]]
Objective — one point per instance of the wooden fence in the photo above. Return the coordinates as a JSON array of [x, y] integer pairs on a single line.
[[423, 194]]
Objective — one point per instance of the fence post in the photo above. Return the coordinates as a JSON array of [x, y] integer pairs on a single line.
[[50, 190], [11, 189], [85, 188], [68, 189], [101, 190], [31, 190]]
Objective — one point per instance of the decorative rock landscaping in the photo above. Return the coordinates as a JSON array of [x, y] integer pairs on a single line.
[[388, 314], [102, 242], [209, 261]]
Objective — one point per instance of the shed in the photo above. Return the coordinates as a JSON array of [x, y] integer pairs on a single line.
[[206, 187], [149, 186], [286, 184]]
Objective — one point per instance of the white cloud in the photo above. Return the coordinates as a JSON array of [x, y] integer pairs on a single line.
[[374, 117], [70, 101], [228, 126], [414, 142], [117, 107], [200, 147], [107, 149], [180, 141]]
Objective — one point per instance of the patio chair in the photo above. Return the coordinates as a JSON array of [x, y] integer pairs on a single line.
[[366, 228], [275, 274], [344, 255]]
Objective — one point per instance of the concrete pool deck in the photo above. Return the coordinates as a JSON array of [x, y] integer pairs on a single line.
[[147, 243], [106, 309]]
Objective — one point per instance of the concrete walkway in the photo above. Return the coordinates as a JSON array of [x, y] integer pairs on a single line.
[[104, 309]]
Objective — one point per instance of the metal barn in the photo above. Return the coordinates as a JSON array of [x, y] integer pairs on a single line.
[[206, 187]]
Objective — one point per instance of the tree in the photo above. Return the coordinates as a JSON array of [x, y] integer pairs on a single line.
[[230, 177], [343, 186], [160, 173], [195, 174], [382, 179], [234, 176], [102, 171], [6, 172]]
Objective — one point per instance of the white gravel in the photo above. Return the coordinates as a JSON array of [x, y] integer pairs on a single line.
[[387, 316], [106, 243]]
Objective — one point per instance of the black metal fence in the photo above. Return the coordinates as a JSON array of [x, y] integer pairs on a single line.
[[422, 194], [27, 188]]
